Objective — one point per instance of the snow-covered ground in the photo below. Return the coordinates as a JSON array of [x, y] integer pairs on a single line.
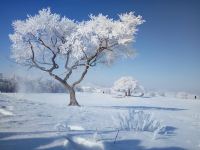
[[104, 122]]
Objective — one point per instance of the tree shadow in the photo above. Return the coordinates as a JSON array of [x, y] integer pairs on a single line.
[[33, 143], [6, 134], [134, 145], [28, 144], [142, 108]]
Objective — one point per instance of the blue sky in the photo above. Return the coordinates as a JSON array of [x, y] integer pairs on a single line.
[[168, 43]]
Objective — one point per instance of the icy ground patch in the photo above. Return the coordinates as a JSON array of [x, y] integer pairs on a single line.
[[43, 121], [5, 112]]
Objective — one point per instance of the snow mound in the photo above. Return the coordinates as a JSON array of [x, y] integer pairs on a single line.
[[65, 127], [6, 112], [79, 143], [75, 128], [61, 127]]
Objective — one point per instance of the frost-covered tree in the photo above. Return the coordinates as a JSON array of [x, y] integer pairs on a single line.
[[60, 46], [128, 86]]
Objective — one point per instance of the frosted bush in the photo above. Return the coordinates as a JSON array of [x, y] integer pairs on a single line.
[[139, 121]]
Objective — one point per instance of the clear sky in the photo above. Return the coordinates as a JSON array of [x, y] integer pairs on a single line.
[[167, 44]]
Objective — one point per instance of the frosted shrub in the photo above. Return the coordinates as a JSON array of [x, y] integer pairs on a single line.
[[138, 121]]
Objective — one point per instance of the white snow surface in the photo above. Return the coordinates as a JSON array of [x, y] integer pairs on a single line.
[[103, 122], [5, 112]]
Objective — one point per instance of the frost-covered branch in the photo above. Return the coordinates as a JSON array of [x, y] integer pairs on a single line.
[[82, 76], [55, 44]]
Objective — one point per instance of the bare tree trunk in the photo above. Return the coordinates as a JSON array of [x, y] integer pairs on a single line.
[[129, 92], [73, 101]]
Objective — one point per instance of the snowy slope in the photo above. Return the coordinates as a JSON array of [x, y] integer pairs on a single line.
[[43, 121]]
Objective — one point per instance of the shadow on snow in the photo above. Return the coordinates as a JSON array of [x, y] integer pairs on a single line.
[[142, 108], [34, 143]]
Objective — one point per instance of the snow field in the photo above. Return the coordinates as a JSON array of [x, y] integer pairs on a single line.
[[143, 123]]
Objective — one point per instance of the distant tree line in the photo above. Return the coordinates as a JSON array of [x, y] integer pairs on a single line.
[[7, 85], [19, 84], [39, 85]]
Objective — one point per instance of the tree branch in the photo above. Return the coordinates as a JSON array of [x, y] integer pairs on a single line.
[[33, 59], [48, 70], [67, 60], [72, 68], [90, 61], [82, 76]]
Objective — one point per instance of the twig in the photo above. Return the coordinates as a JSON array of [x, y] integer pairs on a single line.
[[116, 136]]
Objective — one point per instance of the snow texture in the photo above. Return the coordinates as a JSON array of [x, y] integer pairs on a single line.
[[5, 112], [43, 121]]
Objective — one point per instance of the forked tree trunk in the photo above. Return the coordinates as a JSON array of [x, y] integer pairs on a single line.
[[70, 89], [73, 101]]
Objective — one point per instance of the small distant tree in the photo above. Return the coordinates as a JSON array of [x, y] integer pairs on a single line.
[[59, 46], [128, 86]]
